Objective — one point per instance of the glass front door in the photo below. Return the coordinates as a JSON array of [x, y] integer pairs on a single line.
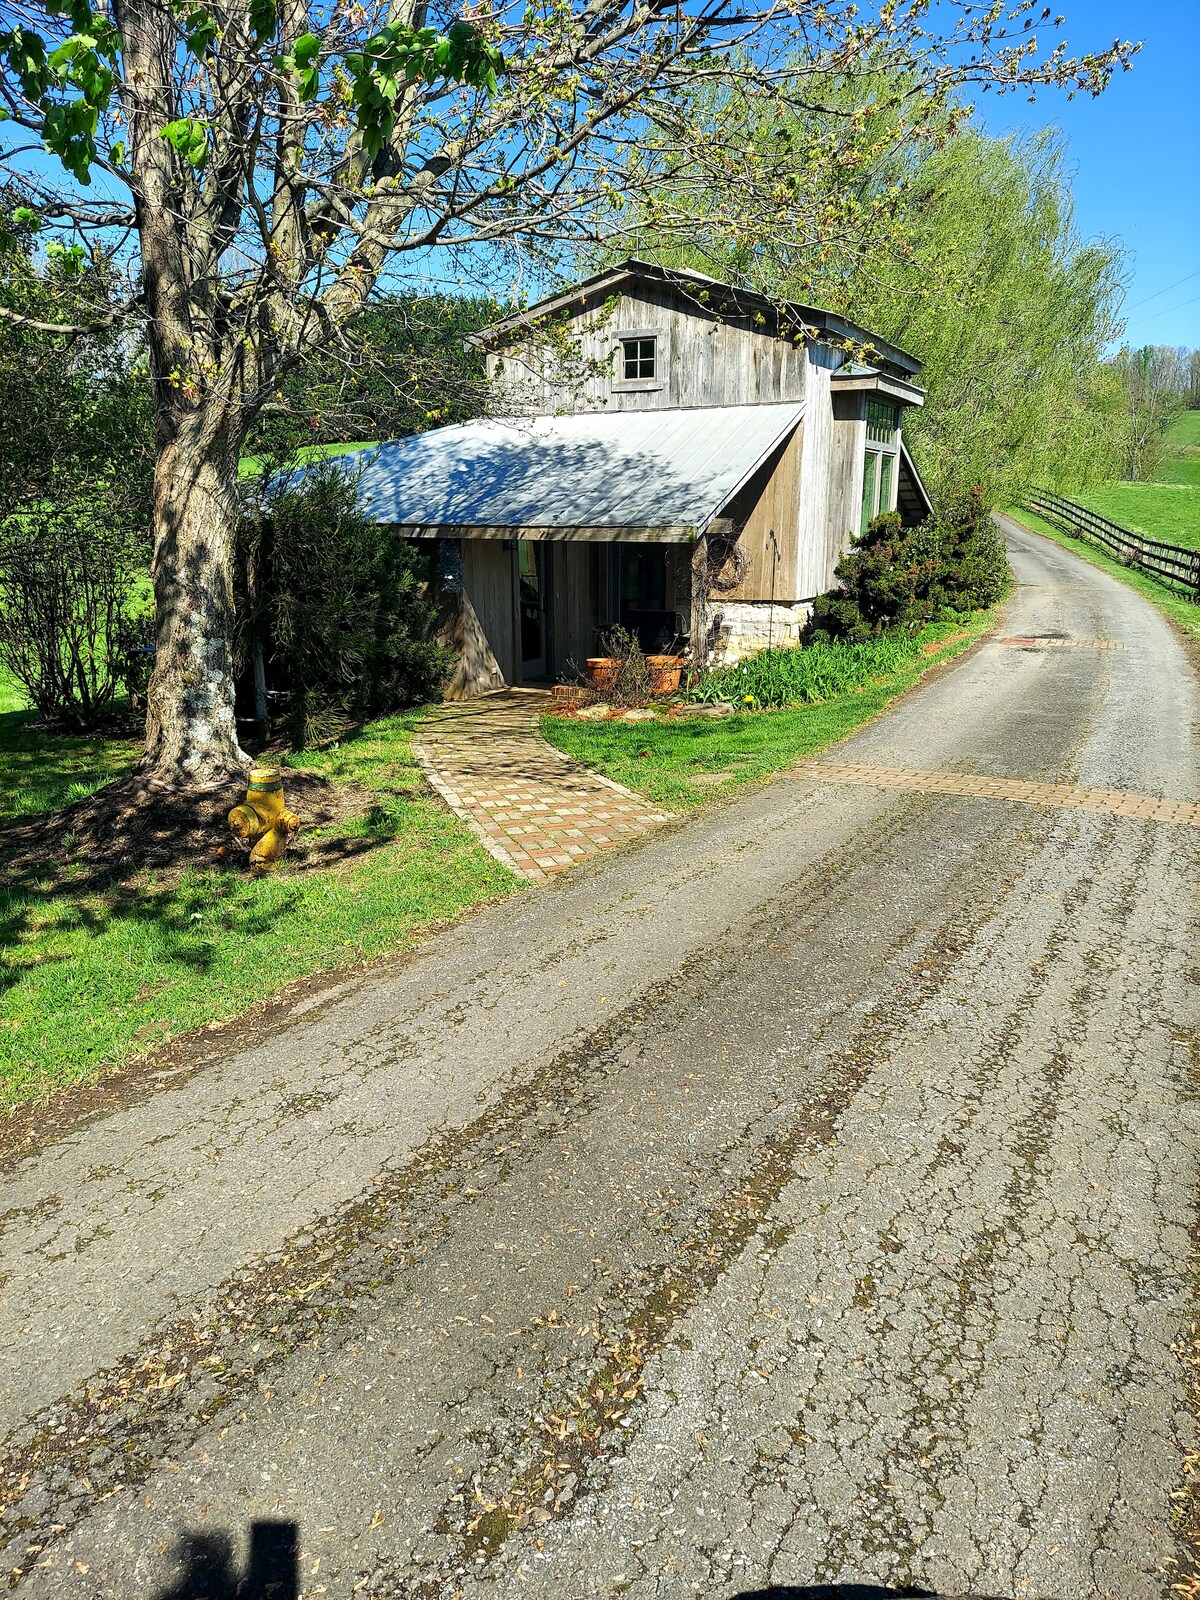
[[531, 605]]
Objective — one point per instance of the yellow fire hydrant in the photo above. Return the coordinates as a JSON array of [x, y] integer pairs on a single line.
[[261, 824]]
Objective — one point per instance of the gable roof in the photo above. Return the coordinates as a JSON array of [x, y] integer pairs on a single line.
[[710, 295], [661, 474]]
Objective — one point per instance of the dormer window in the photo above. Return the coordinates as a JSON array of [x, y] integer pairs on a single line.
[[640, 359]]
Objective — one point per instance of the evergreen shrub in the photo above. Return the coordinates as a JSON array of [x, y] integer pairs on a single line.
[[898, 578], [341, 610]]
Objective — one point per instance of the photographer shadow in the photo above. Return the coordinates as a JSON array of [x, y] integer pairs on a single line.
[[209, 1568]]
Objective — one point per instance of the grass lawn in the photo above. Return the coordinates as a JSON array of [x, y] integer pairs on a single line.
[[41, 771], [1183, 440], [686, 761], [92, 976], [1167, 509], [248, 466], [1185, 612]]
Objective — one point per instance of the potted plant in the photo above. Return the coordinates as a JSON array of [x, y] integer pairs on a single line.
[[603, 672], [665, 672]]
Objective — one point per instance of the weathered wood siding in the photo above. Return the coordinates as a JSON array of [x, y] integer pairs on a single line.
[[846, 473], [704, 359], [818, 542], [770, 503], [809, 494], [486, 634]]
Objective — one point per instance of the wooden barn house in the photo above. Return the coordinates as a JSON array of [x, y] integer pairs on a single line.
[[681, 457]]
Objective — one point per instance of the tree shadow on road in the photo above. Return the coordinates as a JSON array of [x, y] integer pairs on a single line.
[[209, 1569]]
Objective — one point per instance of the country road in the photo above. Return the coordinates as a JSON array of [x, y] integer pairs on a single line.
[[800, 1196]]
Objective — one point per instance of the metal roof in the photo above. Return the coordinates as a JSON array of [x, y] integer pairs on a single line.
[[609, 474]]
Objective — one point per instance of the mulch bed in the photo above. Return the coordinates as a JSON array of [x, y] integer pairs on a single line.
[[130, 828]]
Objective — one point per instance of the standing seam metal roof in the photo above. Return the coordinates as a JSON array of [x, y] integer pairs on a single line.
[[671, 471]]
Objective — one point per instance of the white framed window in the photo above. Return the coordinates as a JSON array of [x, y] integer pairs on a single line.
[[640, 359], [879, 484]]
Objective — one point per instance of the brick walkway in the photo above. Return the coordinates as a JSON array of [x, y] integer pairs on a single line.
[[1109, 802], [534, 808]]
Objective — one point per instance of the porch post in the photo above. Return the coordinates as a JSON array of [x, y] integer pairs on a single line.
[[699, 618]]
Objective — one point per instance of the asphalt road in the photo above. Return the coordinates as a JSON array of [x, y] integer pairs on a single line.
[[801, 1196]]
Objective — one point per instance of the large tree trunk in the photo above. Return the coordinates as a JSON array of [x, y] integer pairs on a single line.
[[191, 734]]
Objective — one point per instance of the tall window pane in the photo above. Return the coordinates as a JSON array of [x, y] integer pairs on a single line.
[[886, 467], [870, 467]]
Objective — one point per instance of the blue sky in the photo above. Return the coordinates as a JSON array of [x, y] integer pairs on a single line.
[[1136, 154]]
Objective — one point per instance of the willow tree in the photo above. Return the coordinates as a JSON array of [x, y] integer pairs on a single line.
[[1011, 310], [269, 163], [955, 245]]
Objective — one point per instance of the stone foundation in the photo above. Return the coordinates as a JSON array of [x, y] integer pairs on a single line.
[[743, 628]]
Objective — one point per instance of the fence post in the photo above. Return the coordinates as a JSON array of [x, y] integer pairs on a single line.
[[1170, 564]]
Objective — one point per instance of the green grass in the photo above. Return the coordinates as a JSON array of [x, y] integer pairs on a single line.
[[92, 976], [42, 771], [250, 466], [1166, 509], [686, 761], [1185, 612], [1183, 440]]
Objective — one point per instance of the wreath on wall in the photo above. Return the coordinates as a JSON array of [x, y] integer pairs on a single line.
[[727, 563]]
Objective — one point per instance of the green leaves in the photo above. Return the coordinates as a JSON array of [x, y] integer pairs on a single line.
[[303, 62], [71, 258], [71, 85], [200, 32], [26, 56], [188, 136], [399, 56], [262, 19]]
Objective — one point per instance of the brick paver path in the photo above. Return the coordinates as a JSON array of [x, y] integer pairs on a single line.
[[1110, 802], [534, 808]]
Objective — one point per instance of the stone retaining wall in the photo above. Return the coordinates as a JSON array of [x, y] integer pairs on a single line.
[[742, 628]]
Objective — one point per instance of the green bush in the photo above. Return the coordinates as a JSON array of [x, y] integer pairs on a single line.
[[897, 577], [340, 610], [69, 599]]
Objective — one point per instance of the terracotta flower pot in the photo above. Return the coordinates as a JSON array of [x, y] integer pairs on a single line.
[[664, 673], [603, 670]]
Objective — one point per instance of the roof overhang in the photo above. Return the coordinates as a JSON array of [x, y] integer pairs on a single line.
[[710, 294], [861, 380], [672, 533], [915, 504], [663, 475]]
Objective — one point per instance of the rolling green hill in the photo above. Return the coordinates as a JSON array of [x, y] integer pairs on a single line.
[[1167, 509]]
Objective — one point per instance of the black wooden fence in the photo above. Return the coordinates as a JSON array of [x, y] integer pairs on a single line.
[[1169, 563]]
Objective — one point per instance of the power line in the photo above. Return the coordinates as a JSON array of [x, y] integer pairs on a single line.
[[1167, 290], [1167, 310]]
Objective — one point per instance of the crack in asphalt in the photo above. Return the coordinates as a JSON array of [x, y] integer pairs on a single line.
[[852, 1245]]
